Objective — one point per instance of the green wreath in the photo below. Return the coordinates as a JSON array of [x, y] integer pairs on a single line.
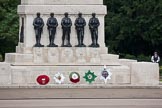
[[90, 76]]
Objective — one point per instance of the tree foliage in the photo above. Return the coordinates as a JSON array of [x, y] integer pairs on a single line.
[[8, 25], [134, 26]]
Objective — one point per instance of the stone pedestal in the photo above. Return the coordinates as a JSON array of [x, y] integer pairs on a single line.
[[5, 74], [27, 75], [23, 67], [144, 74]]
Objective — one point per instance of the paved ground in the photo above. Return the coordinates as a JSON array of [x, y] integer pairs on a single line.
[[80, 93], [81, 98], [82, 103]]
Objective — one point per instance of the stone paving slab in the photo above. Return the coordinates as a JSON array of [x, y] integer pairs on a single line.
[[53, 93], [82, 103]]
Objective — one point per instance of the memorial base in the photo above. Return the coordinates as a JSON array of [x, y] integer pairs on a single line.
[[25, 67], [126, 73]]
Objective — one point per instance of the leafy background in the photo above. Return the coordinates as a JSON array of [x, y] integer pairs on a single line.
[[134, 28], [8, 26]]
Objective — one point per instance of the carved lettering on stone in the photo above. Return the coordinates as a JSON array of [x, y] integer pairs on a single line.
[[67, 55], [80, 55], [95, 56], [38, 55], [53, 55]]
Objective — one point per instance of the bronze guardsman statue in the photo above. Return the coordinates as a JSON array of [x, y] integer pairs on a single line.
[[38, 24], [66, 27], [80, 23], [93, 26], [52, 25]]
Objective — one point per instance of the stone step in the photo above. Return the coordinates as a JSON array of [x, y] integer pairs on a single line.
[[51, 57], [18, 58], [58, 55], [81, 93], [127, 62], [109, 57]]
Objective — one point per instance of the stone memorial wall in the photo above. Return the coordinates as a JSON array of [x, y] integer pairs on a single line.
[[75, 65]]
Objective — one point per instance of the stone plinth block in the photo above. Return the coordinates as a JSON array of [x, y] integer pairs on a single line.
[[19, 48], [121, 75], [107, 58], [61, 56], [94, 55], [61, 2], [38, 55], [81, 55], [23, 50], [67, 55], [18, 58], [127, 62], [27, 75], [5, 73], [20, 75], [53, 55], [145, 73]]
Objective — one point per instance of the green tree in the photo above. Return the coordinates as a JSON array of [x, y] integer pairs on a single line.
[[134, 26], [8, 25]]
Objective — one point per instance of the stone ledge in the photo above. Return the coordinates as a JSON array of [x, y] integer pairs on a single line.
[[83, 86], [61, 56], [61, 9], [68, 64], [57, 2], [109, 56], [18, 58]]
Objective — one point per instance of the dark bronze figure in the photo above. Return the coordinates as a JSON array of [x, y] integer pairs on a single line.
[[79, 26], [52, 25], [66, 27], [22, 32], [38, 24], [93, 26]]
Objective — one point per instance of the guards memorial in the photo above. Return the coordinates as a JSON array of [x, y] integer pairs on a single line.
[[62, 44]]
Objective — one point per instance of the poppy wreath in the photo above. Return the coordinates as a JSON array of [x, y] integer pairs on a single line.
[[74, 77], [43, 79]]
